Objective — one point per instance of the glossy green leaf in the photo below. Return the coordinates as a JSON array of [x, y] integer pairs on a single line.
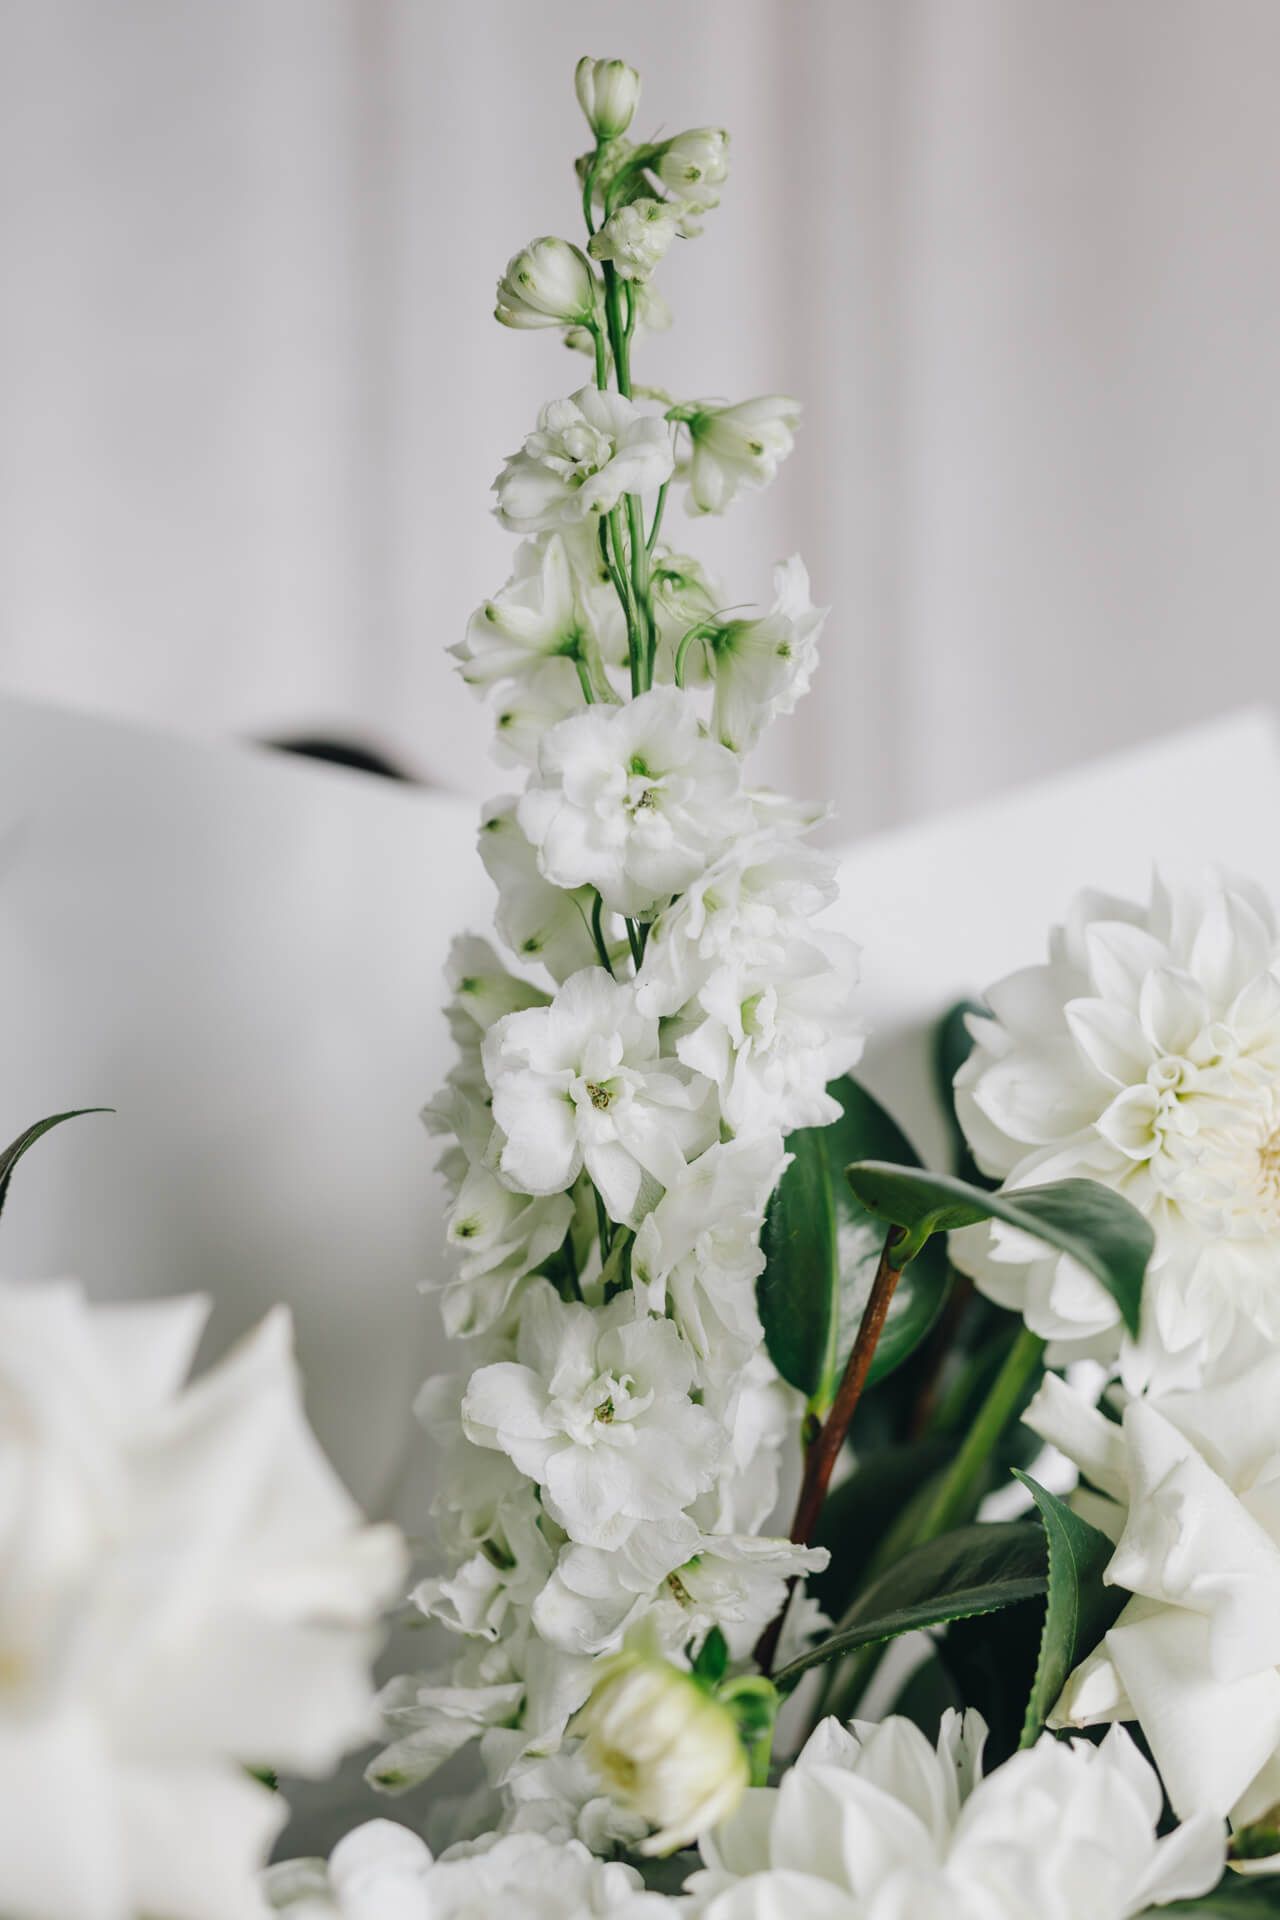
[[860, 1511], [976, 1569], [1236, 1897], [14, 1152], [822, 1247], [1080, 1217], [1079, 1608]]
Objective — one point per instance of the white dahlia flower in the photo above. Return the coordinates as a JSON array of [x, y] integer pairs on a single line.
[[873, 1823], [1192, 1486], [1146, 1055]]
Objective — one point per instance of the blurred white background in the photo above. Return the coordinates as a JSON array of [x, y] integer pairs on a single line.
[[1018, 257]]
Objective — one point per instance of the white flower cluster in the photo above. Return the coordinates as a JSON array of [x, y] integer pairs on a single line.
[[666, 1011], [1146, 1055], [382, 1871], [186, 1592]]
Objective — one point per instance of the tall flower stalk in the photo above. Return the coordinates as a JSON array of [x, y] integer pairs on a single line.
[[666, 1012]]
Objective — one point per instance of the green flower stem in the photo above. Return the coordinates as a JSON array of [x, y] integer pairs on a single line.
[[619, 334], [701, 632], [658, 511], [584, 679], [604, 1226], [952, 1500], [597, 934], [640, 587], [624, 586]]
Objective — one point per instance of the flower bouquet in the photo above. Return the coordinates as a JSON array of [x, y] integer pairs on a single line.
[[817, 1533]]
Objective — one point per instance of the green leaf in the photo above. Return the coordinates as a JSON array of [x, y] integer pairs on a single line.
[[976, 1569], [712, 1662], [13, 1153], [1079, 1217], [1236, 1897], [858, 1514], [1079, 1608], [822, 1247]]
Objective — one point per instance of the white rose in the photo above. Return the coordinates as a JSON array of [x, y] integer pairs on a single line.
[[735, 447], [586, 452], [595, 1408], [1146, 1055], [185, 1591], [635, 801]]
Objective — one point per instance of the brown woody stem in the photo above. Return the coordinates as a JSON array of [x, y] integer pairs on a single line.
[[821, 1458]]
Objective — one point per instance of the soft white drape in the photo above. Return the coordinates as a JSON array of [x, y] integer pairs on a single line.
[[1019, 257]]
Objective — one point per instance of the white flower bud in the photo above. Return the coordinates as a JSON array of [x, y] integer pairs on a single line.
[[664, 1747], [694, 166], [608, 92], [548, 284], [637, 236]]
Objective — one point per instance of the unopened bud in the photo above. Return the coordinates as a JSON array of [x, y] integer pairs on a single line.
[[608, 91]]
